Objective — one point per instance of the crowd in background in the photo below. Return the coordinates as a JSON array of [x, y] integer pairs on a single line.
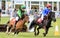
[[35, 12]]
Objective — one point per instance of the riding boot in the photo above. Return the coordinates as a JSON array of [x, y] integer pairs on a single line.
[[16, 22]]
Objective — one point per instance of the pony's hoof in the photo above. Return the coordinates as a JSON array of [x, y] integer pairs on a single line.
[[44, 34], [37, 33], [6, 32], [9, 33]]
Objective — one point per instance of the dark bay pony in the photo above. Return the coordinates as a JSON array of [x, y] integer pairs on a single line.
[[45, 24], [19, 26]]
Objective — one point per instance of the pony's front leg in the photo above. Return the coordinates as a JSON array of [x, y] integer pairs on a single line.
[[35, 30], [38, 30], [47, 28], [7, 29], [45, 31], [11, 30], [16, 31]]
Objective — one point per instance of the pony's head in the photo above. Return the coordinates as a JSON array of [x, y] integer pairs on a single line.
[[52, 16]]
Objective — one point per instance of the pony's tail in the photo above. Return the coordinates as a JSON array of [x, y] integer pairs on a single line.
[[32, 24], [8, 22]]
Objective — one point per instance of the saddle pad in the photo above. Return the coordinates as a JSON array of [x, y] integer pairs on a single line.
[[13, 20], [39, 20]]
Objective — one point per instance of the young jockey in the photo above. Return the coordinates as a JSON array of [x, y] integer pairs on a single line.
[[45, 12], [20, 13]]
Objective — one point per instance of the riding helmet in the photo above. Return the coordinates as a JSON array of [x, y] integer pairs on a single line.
[[48, 5]]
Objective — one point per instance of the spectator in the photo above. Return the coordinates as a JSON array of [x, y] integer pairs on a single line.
[[15, 13], [10, 12]]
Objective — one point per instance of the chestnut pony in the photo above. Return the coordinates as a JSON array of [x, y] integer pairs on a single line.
[[19, 26]]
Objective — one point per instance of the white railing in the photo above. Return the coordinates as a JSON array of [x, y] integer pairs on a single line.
[[4, 15]]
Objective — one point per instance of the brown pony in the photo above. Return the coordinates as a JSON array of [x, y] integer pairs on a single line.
[[19, 26]]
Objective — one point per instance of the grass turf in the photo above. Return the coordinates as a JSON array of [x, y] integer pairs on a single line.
[[51, 33], [4, 20]]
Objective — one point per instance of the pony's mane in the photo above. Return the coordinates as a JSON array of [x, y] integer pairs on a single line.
[[51, 12]]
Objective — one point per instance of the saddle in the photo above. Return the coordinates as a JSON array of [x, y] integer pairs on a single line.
[[39, 20]]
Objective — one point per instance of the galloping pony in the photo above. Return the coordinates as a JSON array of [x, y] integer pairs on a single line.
[[19, 26], [45, 24]]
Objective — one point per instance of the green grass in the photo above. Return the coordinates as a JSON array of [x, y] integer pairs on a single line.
[[4, 20], [51, 33], [26, 35]]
